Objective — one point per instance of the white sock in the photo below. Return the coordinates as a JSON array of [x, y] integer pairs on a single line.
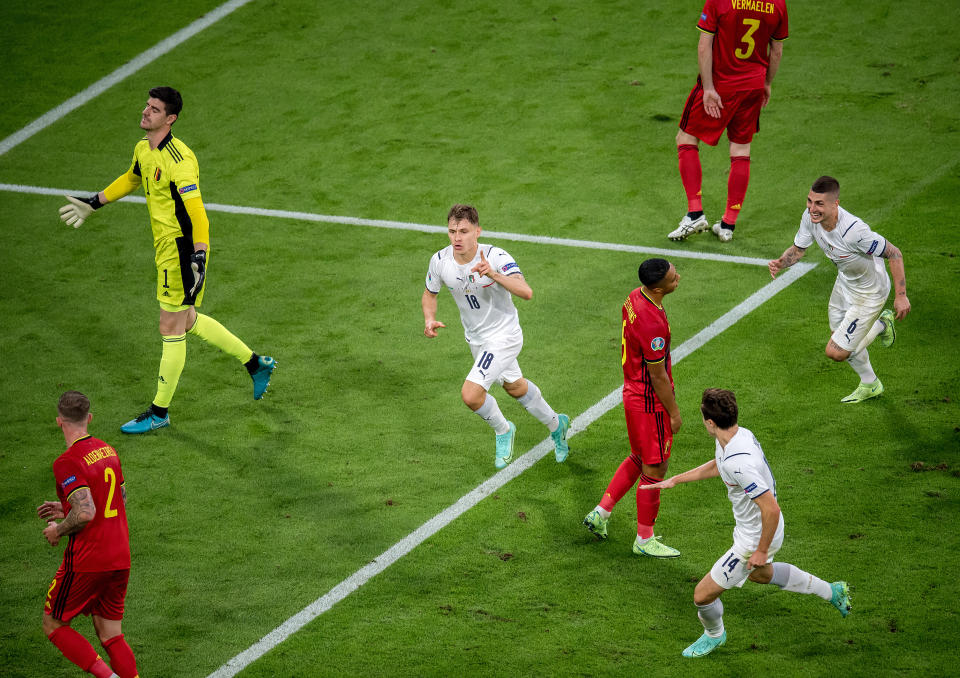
[[533, 401], [877, 328], [860, 362], [490, 413], [791, 578], [604, 513], [711, 616]]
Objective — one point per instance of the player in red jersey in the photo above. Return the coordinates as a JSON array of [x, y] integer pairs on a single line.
[[741, 44], [93, 577], [650, 406]]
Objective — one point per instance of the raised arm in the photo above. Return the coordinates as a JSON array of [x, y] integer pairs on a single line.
[[792, 255], [895, 261]]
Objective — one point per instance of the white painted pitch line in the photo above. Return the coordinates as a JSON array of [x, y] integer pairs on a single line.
[[489, 486], [129, 68], [423, 228]]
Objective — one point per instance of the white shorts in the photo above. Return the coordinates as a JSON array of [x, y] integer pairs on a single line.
[[730, 570], [495, 362], [851, 321]]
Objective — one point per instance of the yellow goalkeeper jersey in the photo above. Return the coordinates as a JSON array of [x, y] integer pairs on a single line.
[[170, 176]]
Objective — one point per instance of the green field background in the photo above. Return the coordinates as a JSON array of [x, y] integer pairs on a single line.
[[555, 119]]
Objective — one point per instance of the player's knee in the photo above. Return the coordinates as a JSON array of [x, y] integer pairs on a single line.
[[472, 397], [50, 624], [836, 354]]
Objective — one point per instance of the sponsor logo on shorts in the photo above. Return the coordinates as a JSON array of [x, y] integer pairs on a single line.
[[69, 481], [657, 344], [186, 189], [873, 247], [750, 488]]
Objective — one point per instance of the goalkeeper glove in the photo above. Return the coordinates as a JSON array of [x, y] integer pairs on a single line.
[[198, 262], [79, 209]]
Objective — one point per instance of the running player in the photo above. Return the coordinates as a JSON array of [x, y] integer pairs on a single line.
[[856, 312], [483, 280], [170, 177], [741, 44], [649, 404], [92, 579], [758, 534]]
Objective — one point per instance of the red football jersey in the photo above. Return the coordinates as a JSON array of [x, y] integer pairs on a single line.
[[742, 31], [104, 543], [646, 339]]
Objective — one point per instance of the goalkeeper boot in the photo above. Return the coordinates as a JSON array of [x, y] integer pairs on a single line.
[[505, 447], [261, 375], [889, 334], [146, 422], [864, 392], [596, 524], [560, 447], [705, 645], [841, 597], [654, 548], [688, 227]]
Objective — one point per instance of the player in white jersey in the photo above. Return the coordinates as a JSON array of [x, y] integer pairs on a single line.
[[758, 534], [856, 312], [483, 280]]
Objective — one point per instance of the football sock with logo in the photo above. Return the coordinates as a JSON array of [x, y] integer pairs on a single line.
[[691, 174], [214, 333], [736, 188], [875, 329], [534, 403], [791, 578], [171, 365], [711, 616], [121, 657], [648, 506], [624, 478], [860, 362], [78, 649], [490, 413]]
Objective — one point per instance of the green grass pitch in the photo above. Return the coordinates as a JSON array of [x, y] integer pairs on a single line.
[[555, 119]]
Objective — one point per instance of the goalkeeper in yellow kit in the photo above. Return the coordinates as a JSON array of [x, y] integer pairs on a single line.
[[170, 177]]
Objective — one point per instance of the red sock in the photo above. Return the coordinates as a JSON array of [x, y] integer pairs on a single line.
[[691, 175], [737, 186], [77, 649], [648, 506], [121, 657], [621, 483]]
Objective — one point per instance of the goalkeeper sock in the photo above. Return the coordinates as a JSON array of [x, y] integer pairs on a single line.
[[214, 333], [171, 365]]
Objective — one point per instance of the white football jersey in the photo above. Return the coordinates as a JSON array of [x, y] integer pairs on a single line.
[[854, 249], [486, 308], [744, 470]]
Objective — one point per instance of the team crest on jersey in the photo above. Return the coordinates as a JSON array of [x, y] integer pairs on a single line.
[[187, 189], [69, 481], [657, 344], [156, 175]]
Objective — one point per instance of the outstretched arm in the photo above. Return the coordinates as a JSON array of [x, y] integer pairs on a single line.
[[707, 470], [792, 255], [894, 259]]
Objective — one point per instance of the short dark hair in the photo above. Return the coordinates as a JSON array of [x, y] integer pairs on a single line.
[[826, 184], [74, 407], [720, 406], [653, 271], [468, 212], [172, 101]]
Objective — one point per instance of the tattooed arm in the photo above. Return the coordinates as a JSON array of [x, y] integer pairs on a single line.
[[786, 260], [82, 511], [894, 259]]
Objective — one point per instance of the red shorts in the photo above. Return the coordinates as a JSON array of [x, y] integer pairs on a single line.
[[99, 593], [649, 432], [740, 116]]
